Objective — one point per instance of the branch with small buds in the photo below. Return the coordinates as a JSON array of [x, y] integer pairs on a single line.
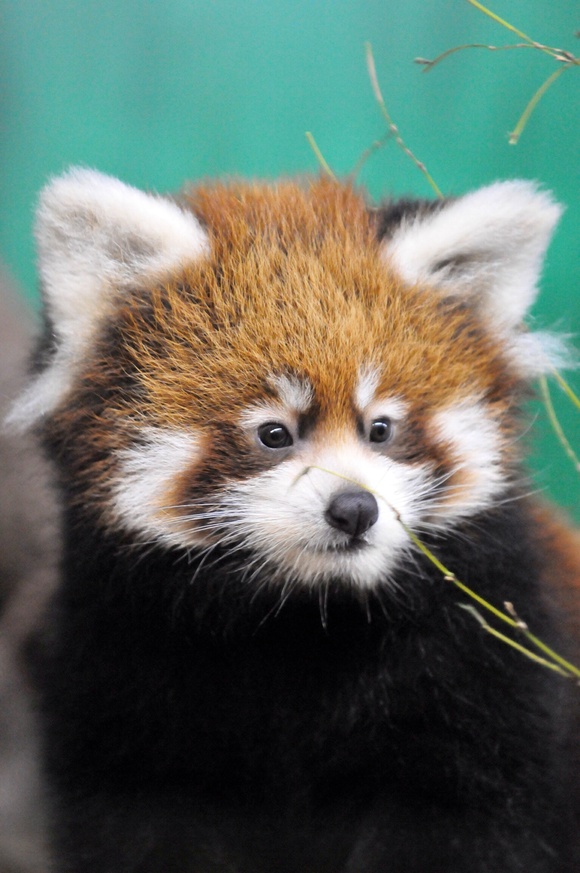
[[392, 132], [549, 658], [564, 57]]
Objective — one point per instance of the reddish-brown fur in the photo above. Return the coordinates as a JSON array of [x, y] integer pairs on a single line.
[[254, 711], [295, 283]]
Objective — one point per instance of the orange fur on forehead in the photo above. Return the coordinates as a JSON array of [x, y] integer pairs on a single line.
[[283, 212], [295, 284]]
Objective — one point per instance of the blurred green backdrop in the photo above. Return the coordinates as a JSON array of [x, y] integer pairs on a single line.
[[159, 91]]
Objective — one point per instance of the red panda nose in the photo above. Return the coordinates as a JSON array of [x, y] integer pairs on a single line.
[[353, 512]]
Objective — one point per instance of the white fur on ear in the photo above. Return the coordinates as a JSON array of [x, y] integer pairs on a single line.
[[95, 234], [95, 237], [487, 246]]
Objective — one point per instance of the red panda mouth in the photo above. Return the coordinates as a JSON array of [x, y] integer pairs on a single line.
[[355, 544]]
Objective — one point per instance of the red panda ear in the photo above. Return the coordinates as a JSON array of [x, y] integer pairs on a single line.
[[486, 247], [97, 236]]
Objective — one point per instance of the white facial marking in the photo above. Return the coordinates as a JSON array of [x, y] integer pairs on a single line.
[[475, 441], [389, 407], [296, 394], [280, 515], [368, 382], [372, 406], [261, 413], [294, 397], [143, 484]]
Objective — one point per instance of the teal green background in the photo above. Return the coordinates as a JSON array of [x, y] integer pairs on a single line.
[[162, 91]]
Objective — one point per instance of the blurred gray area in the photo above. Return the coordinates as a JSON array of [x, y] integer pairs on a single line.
[[28, 554]]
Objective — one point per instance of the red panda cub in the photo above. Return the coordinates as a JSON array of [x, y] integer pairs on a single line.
[[251, 394]]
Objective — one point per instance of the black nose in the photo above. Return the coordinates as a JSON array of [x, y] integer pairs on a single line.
[[353, 512]]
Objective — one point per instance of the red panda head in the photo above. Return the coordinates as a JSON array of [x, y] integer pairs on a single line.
[[283, 371]]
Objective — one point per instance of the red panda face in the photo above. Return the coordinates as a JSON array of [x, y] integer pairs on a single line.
[[311, 498], [306, 502], [258, 372]]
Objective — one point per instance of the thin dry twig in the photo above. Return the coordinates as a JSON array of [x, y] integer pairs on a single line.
[[374, 147], [392, 132], [428, 64], [566, 58], [566, 388], [525, 116], [391, 124], [557, 53], [319, 156], [557, 662], [571, 670], [509, 642], [556, 426]]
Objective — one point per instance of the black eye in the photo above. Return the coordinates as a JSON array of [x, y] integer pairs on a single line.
[[275, 436], [381, 430]]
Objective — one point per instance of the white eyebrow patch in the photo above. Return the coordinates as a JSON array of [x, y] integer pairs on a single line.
[[389, 407], [146, 476], [366, 400], [294, 393], [295, 396], [368, 382]]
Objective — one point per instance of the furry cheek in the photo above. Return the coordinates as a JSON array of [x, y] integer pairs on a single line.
[[146, 479], [277, 515], [474, 444]]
